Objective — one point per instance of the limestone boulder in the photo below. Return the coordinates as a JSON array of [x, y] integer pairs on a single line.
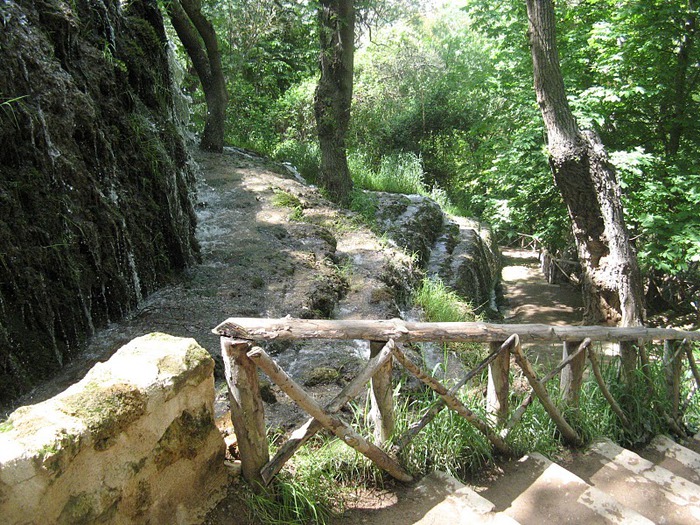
[[132, 442]]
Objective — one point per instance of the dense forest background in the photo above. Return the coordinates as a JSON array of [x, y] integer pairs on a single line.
[[444, 105]]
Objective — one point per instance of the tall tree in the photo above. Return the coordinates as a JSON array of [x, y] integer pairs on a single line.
[[333, 97], [612, 284], [198, 37], [685, 80]]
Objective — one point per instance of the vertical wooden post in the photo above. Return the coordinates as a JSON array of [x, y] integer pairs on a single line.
[[247, 412], [498, 389], [672, 362], [382, 397], [628, 359], [572, 374]]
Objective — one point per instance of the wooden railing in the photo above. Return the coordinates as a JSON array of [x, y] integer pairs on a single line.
[[242, 359]]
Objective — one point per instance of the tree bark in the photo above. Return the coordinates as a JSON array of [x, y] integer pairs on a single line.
[[198, 37], [612, 284], [336, 21], [682, 89]]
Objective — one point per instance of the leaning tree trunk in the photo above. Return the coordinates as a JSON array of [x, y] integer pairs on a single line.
[[612, 284], [336, 21], [198, 37]]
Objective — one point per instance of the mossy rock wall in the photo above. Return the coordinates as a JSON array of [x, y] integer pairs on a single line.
[[462, 252], [95, 190], [133, 442]]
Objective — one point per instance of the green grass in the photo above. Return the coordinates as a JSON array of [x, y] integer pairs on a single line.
[[312, 486], [304, 156], [397, 173], [293, 499], [449, 443], [284, 199], [365, 204], [441, 304]]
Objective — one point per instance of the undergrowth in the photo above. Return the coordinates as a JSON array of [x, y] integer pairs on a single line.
[[397, 173]]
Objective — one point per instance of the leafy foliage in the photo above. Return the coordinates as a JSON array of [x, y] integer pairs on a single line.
[[449, 91]]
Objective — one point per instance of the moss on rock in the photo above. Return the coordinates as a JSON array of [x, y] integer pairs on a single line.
[[95, 215], [184, 437], [107, 411], [321, 375], [85, 508]]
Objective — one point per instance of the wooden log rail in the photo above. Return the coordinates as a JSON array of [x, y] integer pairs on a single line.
[[242, 359], [288, 329]]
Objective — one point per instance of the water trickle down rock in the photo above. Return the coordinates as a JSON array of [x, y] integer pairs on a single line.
[[460, 251], [95, 188], [472, 264]]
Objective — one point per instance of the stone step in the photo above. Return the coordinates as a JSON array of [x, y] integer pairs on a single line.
[[638, 484], [463, 506], [692, 443], [535, 490], [682, 461]]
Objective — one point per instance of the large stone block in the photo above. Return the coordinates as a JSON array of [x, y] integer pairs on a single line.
[[133, 442]]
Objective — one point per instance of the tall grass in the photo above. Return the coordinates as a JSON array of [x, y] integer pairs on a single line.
[[449, 443], [313, 484], [304, 156], [294, 500], [397, 173], [441, 304]]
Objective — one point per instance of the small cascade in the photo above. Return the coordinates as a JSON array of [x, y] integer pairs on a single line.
[[135, 277], [180, 111], [295, 173], [440, 254], [465, 258]]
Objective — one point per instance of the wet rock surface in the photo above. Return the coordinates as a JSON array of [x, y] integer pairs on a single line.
[[95, 189], [461, 252], [271, 246]]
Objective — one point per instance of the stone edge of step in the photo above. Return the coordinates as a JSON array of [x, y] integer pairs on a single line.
[[470, 506], [593, 498], [675, 486], [672, 450]]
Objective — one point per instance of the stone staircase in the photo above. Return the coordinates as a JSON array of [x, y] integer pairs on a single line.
[[604, 484]]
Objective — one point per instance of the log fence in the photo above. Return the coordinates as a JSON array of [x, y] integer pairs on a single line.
[[242, 358]]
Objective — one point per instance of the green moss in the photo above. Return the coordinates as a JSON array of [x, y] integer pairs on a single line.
[[6, 426], [284, 199], [4, 492], [90, 507], [108, 411], [183, 438], [321, 375], [55, 457], [137, 466], [197, 356], [198, 365], [143, 499]]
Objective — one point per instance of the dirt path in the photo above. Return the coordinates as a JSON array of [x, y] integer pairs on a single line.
[[531, 299]]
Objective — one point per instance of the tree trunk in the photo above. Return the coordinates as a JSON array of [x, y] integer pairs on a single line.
[[198, 37], [682, 88], [612, 285], [336, 20]]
